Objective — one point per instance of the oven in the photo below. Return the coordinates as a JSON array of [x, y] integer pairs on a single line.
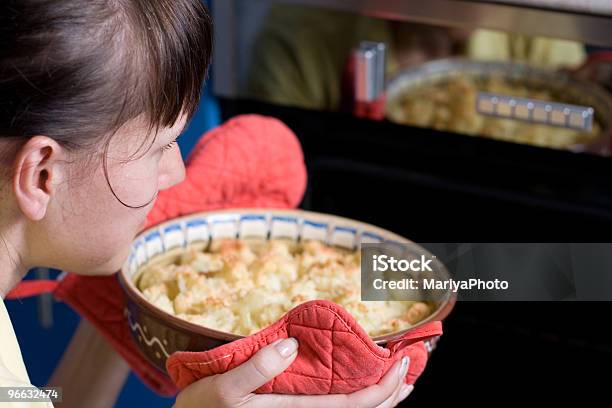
[[438, 185]]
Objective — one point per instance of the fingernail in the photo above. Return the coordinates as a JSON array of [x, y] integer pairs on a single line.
[[405, 391], [404, 367], [287, 347]]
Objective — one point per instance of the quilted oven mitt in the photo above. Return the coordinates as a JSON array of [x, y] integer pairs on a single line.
[[336, 355], [250, 161]]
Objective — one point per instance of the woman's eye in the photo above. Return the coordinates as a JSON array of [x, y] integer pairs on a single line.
[[168, 146]]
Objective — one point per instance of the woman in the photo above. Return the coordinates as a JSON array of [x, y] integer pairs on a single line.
[[92, 97]]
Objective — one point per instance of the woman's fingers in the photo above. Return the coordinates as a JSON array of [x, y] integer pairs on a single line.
[[375, 395], [372, 396], [392, 400], [404, 392], [266, 364]]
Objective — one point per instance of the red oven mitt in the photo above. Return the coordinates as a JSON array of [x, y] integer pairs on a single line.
[[250, 161], [336, 355]]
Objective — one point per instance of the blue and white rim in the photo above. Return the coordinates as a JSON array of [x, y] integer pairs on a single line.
[[297, 225]]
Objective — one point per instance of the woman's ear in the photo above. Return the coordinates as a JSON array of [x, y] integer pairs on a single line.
[[36, 171]]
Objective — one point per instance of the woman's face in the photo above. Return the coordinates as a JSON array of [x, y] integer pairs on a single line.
[[86, 229]]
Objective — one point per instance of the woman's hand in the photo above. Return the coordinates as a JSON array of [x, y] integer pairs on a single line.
[[235, 387]]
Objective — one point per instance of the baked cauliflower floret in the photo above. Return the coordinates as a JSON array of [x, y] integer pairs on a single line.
[[329, 277], [417, 312], [259, 305], [274, 272], [187, 277], [218, 318], [154, 275], [316, 252], [379, 317], [202, 262], [302, 291], [280, 247], [233, 248], [234, 270], [158, 295], [206, 291]]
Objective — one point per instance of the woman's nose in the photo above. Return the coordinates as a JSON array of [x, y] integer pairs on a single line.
[[172, 169]]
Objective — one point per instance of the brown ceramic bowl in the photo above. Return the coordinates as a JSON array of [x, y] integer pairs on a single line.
[[158, 334]]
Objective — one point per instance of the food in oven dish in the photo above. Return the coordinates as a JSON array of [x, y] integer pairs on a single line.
[[242, 286], [449, 104]]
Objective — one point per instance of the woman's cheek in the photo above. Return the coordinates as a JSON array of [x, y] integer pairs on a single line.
[[171, 169], [135, 183]]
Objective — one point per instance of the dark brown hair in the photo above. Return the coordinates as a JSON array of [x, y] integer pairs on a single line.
[[77, 70]]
